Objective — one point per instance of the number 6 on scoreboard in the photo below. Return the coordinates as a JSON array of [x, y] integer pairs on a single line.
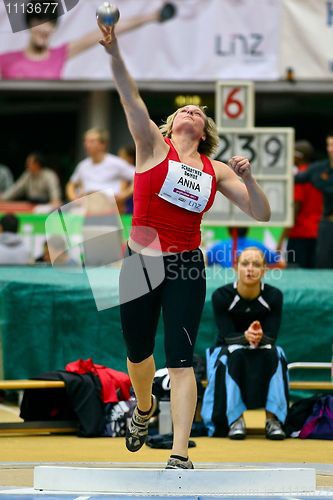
[[234, 104]]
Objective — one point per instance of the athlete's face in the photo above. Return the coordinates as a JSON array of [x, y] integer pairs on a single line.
[[40, 34], [251, 267], [192, 118], [93, 144], [329, 147]]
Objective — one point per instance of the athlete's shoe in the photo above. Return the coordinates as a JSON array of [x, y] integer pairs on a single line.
[[137, 430], [274, 430], [176, 463], [237, 429]]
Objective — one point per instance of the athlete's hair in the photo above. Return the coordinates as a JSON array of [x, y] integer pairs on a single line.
[[207, 146], [330, 134], [256, 249], [103, 135]]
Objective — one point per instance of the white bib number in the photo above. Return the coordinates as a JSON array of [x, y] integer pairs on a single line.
[[186, 187]]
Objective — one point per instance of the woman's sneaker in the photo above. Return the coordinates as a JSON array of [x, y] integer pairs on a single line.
[[137, 430], [176, 463], [274, 430], [237, 429]]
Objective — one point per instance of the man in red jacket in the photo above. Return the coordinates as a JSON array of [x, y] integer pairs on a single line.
[[308, 207]]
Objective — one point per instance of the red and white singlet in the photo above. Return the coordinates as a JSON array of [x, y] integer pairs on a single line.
[[171, 199]]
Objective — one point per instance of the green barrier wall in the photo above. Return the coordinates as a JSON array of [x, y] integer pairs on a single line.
[[48, 318]]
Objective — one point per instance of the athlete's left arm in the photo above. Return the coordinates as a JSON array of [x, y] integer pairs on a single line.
[[237, 183]]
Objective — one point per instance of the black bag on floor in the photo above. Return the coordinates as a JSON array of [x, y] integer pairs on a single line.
[[298, 413]]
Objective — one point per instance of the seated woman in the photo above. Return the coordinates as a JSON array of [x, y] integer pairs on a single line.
[[246, 370]]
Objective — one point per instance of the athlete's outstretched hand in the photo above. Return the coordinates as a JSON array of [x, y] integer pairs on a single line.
[[241, 166], [109, 38]]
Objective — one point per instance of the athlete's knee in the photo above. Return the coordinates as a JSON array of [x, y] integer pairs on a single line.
[[137, 349], [136, 357]]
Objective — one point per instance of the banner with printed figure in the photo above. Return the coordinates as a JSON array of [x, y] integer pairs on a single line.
[[206, 40], [307, 39]]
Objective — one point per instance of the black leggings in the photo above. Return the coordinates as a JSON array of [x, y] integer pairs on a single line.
[[175, 284]]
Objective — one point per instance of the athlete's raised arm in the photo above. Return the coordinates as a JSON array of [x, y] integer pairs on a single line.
[[149, 141]]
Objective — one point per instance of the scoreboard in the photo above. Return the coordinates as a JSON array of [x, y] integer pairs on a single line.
[[234, 104], [270, 151]]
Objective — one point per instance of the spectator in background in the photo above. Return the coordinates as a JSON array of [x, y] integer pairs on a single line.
[[320, 175], [55, 252], [250, 370], [12, 247], [101, 171], [40, 62], [127, 153], [222, 252], [6, 178], [37, 184], [308, 207]]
